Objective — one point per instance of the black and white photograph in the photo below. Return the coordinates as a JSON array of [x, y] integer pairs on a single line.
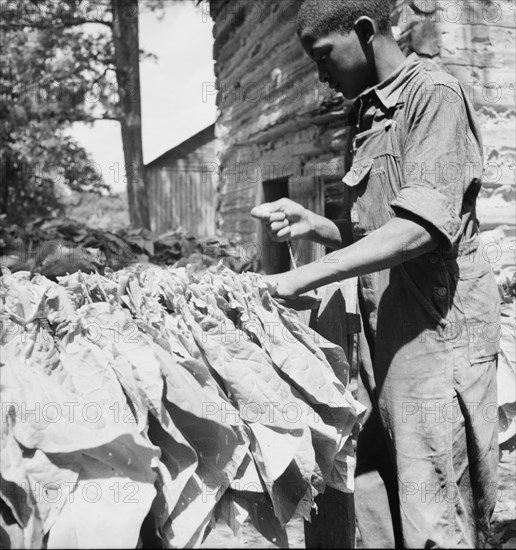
[[258, 274]]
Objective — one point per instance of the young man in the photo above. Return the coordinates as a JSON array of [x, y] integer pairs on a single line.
[[427, 455]]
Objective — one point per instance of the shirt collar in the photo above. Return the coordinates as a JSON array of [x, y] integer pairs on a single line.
[[389, 90]]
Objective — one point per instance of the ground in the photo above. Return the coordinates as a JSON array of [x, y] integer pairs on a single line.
[[503, 533]]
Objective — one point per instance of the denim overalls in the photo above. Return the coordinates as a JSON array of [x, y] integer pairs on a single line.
[[427, 455]]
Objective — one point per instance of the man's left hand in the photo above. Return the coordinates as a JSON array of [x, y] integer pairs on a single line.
[[283, 285]]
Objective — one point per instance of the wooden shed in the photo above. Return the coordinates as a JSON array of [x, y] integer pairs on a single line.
[[284, 134], [182, 186]]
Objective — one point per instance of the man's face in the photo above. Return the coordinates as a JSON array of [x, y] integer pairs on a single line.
[[340, 61]]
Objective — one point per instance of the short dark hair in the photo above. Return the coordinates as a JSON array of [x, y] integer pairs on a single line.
[[323, 17]]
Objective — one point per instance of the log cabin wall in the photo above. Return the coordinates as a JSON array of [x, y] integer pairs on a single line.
[[276, 121], [277, 125]]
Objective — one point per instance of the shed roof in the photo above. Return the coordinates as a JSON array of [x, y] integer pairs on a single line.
[[186, 147]]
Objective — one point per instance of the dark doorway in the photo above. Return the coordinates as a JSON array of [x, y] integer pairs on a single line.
[[275, 256]]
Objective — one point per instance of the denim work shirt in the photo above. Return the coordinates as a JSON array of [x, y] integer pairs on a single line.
[[418, 151]]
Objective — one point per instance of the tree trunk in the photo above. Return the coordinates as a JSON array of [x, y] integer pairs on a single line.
[[125, 38]]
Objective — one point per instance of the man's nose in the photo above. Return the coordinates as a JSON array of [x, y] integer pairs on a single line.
[[323, 75]]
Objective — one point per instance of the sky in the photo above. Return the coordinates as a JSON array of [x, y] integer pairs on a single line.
[[173, 106]]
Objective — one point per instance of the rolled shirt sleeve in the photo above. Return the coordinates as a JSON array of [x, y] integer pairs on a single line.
[[441, 157]]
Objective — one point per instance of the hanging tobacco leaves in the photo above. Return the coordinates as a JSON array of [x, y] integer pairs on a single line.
[[142, 406]]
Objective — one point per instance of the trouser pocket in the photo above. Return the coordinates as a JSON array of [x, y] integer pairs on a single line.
[[477, 313]]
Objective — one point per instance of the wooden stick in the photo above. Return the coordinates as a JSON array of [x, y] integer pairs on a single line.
[[292, 259]]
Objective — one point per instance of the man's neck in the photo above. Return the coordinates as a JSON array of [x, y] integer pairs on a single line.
[[387, 58]]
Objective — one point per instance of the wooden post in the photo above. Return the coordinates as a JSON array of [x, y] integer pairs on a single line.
[[332, 524]]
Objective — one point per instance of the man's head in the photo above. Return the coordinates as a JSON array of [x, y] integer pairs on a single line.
[[339, 34]]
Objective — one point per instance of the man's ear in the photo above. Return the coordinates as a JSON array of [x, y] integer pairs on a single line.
[[366, 29]]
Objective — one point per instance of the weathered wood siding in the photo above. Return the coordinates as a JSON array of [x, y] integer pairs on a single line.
[[182, 187], [276, 120]]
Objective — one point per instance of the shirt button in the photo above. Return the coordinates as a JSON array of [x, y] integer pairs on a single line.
[[441, 291]]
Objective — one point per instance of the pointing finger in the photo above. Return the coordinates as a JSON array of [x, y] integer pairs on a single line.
[[262, 211]]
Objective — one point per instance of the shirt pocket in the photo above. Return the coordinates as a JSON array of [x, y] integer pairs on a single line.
[[374, 178], [358, 173], [369, 194]]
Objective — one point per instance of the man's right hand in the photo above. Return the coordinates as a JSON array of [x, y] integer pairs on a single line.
[[285, 219]]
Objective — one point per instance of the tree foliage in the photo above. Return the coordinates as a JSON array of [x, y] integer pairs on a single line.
[[51, 75], [59, 66]]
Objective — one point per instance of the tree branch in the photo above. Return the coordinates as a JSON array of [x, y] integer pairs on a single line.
[[101, 76], [68, 24]]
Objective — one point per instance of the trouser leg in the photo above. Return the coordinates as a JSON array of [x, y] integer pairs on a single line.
[[376, 495], [476, 449], [436, 412]]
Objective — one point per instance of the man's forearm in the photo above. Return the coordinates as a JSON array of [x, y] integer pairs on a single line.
[[397, 241], [332, 234]]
